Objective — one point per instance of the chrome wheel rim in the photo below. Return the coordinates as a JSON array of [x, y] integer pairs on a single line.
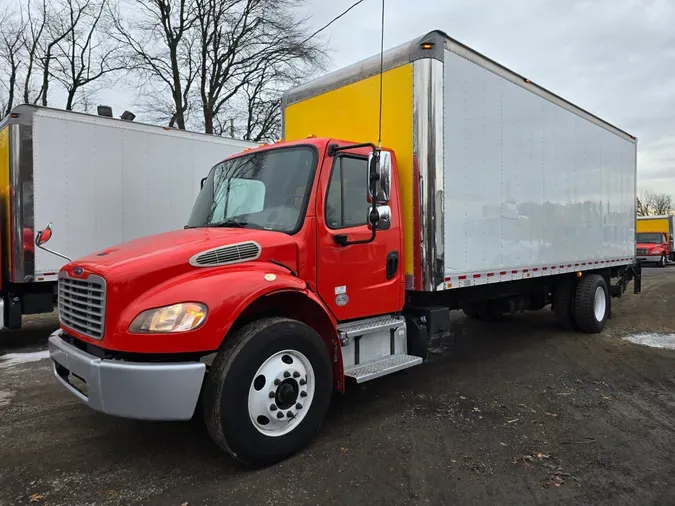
[[600, 303], [281, 393]]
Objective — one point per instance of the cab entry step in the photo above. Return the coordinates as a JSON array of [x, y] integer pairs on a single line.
[[381, 367]]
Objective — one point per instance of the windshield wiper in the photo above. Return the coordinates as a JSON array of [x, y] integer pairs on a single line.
[[229, 223]]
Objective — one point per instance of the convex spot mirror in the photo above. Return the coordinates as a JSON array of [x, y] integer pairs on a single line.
[[383, 218]]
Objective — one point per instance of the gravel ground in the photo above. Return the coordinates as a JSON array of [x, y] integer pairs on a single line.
[[520, 414]]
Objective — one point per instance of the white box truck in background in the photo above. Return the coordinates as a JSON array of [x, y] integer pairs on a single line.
[[99, 181]]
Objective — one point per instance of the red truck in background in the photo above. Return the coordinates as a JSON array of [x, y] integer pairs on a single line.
[[653, 247], [312, 261], [654, 238]]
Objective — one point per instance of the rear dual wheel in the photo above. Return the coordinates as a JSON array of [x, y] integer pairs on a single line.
[[268, 391], [583, 305]]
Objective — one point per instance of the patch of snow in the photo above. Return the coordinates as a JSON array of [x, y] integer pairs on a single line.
[[666, 341], [12, 359]]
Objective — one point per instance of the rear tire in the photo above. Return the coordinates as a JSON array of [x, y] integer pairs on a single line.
[[268, 391], [563, 303], [591, 304]]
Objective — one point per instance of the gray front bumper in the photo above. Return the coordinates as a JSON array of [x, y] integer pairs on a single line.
[[649, 259], [146, 391]]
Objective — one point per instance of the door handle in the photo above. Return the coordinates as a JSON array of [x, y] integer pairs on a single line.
[[392, 264]]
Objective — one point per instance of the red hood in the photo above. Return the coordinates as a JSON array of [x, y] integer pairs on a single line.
[[648, 245], [153, 259]]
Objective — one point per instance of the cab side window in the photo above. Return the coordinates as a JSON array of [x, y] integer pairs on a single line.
[[347, 199]]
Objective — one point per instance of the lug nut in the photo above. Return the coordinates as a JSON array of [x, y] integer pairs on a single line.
[[280, 415], [303, 382], [287, 374], [277, 382], [273, 407], [298, 406], [272, 395], [290, 414], [296, 374], [303, 394]]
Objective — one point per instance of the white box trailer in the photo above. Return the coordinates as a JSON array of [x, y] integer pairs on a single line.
[[501, 180], [531, 182], [99, 181]]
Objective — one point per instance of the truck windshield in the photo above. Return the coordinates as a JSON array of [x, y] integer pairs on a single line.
[[264, 190], [648, 237]]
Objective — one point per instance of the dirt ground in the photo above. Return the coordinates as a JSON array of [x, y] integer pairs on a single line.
[[520, 414]]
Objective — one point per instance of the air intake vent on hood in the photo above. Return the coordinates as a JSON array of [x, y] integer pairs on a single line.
[[225, 255]]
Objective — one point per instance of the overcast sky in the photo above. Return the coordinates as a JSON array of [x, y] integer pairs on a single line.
[[615, 58]]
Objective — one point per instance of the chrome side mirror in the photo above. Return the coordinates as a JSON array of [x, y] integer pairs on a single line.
[[384, 218], [383, 173]]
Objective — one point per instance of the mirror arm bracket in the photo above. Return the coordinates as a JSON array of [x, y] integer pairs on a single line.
[[333, 149], [55, 253]]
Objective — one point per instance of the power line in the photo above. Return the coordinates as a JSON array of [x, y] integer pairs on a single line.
[[332, 21]]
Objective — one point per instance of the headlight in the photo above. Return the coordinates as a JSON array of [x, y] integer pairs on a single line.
[[176, 318]]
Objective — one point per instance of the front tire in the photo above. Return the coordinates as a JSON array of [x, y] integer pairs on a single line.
[[591, 304], [268, 391], [662, 261]]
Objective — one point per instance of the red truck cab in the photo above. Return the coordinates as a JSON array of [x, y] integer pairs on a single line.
[[653, 247]]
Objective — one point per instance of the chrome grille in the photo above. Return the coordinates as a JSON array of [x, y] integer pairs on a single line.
[[224, 255], [81, 304], [642, 251]]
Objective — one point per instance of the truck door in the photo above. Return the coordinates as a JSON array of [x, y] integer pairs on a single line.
[[359, 280]]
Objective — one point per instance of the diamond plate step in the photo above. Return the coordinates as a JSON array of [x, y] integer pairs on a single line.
[[381, 367], [363, 327]]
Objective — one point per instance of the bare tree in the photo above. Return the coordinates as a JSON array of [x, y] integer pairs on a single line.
[[663, 204], [246, 45], [650, 203], [263, 112], [60, 23], [262, 105], [33, 34], [86, 55], [642, 205], [160, 40], [10, 57]]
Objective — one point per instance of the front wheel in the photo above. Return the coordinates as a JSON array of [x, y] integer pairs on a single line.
[[662, 261], [268, 391]]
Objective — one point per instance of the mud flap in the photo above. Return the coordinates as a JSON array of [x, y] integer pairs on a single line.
[[637, 277]]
